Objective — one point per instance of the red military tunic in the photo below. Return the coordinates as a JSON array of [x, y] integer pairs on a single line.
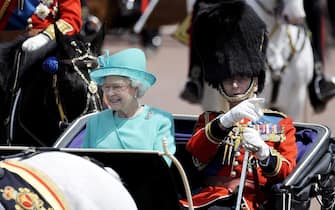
[[38, 15], [222, 165]]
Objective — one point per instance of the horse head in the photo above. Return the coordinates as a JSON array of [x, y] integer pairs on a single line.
[[294, 12], [286, 11], [55, 88], [77, 56]]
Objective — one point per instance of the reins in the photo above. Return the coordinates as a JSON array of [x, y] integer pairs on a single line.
[[63, 118], [11, 129], [12, 105], [15, 93]]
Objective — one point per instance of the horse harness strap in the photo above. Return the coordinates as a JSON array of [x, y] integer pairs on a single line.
[[92, 91], [276, 75], [62, 115], [92, 88], [29, 188], [266, 10], [273, 30]]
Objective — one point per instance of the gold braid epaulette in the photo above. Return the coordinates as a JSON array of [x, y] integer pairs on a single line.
[[62, 25], [274, 113]]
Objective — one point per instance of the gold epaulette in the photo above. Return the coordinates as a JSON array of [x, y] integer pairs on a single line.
[[274, 113], [62, 25]]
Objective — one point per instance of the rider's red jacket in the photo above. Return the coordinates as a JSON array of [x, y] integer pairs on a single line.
[[36, 15], [219, 155]]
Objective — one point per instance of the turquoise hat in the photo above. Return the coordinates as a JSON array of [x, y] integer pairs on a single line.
[[129, 63]]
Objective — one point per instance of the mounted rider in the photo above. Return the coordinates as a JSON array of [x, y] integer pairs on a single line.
[[36, 18]]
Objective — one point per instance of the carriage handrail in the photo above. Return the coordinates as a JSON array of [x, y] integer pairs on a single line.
[[77, 125], [182, 173], [317, 146]]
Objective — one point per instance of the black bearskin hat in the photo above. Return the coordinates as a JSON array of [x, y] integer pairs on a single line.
[[230, 39]]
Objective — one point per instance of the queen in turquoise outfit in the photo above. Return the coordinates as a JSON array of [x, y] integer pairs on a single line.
[[127, 124]]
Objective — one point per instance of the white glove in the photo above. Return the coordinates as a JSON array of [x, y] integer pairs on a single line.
[[35, 42], [250, 108], [253, 141]]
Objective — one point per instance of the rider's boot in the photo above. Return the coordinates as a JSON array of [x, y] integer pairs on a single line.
[[327, 88], [321, 89]]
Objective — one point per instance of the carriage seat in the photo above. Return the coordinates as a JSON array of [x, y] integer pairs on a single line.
[[184, 124], [305, 138], [312, 142]]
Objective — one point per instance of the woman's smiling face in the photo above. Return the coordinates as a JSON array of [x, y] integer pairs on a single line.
[[118, 92]]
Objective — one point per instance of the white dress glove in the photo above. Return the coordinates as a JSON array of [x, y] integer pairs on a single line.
[[35, 42], [252, 139], [250, 108]]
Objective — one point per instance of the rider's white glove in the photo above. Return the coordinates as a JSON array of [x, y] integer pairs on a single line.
[[252, 139], [250, 108], [35, 42]]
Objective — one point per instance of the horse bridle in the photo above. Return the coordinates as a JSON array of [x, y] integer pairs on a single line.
[[276, 75], [92, 93], [275, 11]]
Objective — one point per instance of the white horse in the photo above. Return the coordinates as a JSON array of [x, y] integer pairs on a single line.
[[289, 55], [67, 182]]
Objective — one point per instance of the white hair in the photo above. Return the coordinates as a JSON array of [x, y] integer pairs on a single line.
[[141, 87]]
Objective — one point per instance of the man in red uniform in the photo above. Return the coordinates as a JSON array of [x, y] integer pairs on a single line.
[[231, 41], [36, 17]]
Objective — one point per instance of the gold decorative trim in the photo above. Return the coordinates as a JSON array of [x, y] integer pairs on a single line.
[[23, 198], [210, 136], [280, 159], [40, 181], [62, 25]]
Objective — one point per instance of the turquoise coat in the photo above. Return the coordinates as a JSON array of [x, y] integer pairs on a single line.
[[144, 131]]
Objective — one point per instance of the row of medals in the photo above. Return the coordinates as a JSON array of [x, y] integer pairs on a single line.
[[232, 143]]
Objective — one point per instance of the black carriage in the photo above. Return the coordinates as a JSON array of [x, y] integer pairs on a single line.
[[154, 185]]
